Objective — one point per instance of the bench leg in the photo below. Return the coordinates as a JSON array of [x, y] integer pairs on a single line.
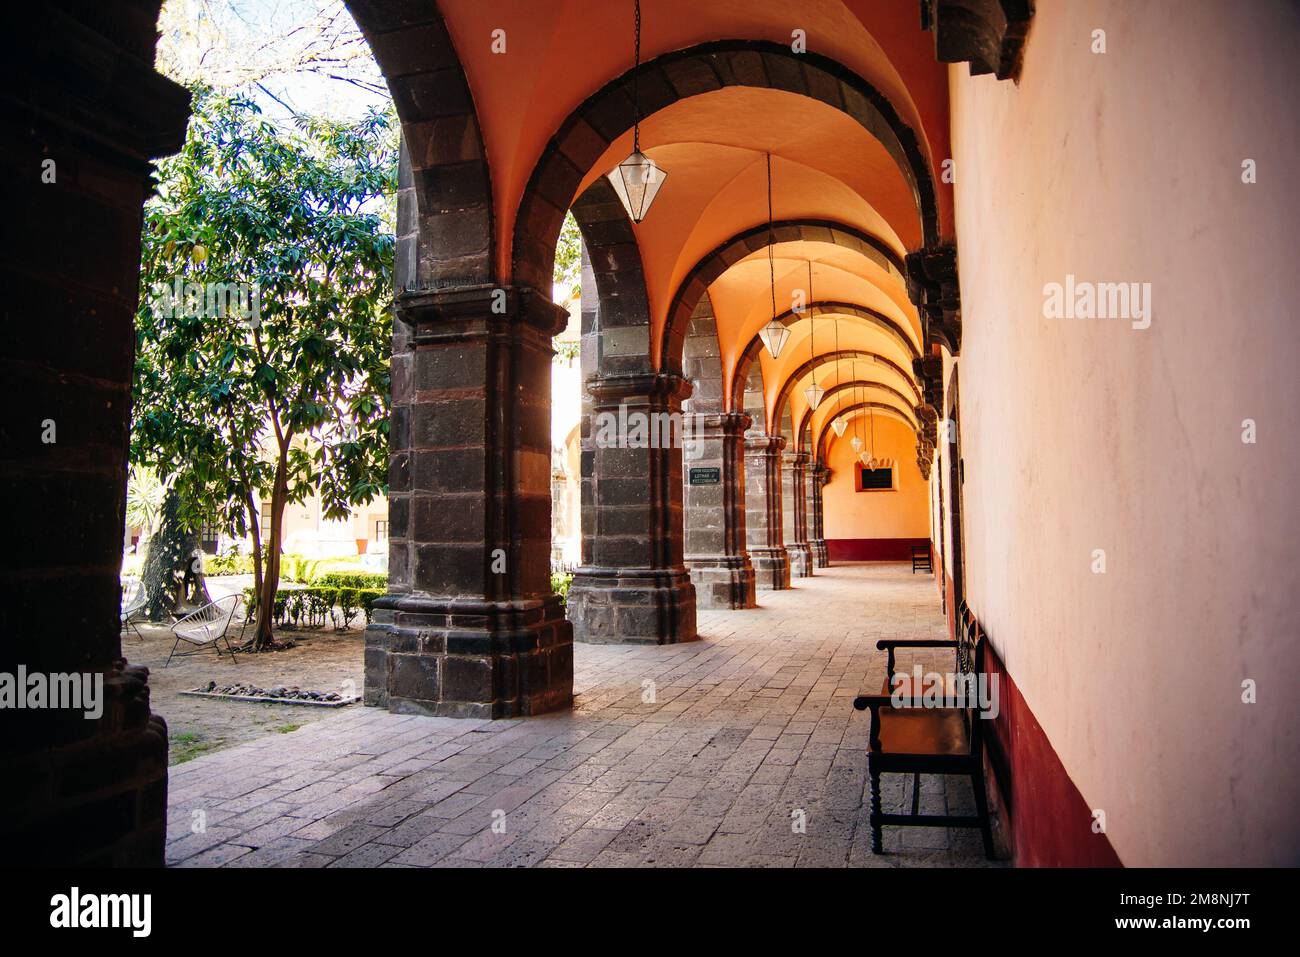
[[982, 808], [875, 812]]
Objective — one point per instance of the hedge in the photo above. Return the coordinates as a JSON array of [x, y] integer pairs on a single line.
[[313, 606]]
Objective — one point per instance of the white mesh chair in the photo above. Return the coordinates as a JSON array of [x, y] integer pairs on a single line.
[[134, 600], [205, 628]]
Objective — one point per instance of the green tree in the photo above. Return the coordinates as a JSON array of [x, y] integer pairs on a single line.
[[267, 376]]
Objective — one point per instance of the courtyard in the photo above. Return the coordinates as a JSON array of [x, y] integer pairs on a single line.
[[740, 749]]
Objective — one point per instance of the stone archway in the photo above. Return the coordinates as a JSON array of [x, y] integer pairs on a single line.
[[589, 130], [714, 471], [633, 584], [469, 626], [705, 272]]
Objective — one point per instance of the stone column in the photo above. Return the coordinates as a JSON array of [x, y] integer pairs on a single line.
[[818, 476], [795, 520], [763, 511], [83, 113], [633, 584], [714, 498], [470, 627]]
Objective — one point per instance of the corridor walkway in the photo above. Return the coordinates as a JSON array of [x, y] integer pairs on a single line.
[[739, 749]]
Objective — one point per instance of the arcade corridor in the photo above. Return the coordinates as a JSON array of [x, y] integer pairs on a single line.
[[1006, 286]]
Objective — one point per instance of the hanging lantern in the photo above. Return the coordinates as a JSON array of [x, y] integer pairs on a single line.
[[774, 335], [856, 443], [814, 395], [839, 425], [637, 179]]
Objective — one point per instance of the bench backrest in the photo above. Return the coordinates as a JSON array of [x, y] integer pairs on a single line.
[[971, 647]]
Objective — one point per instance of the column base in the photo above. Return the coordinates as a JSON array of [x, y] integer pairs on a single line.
[[771, 568], [722, 581], [88, 793], [654, 606], [821, 557], [467, 658], [801, 559]]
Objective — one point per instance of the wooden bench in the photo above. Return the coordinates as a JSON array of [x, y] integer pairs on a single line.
[[921, 559], [917, 740]]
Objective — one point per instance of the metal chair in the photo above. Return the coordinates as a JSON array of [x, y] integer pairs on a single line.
[[134, 600], [207, 626]]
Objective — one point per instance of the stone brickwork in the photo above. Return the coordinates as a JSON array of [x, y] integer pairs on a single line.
[[83, 114], [763, 512], [633, 584], [714, 472], [470, 627], [794, 515], [446, 229], [715, 528], [818, 476]]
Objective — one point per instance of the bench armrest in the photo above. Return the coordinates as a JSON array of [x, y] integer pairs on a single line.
[[874, 702]]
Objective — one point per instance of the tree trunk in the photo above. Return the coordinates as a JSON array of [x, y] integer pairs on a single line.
[[255, 533], [263, 636], [167, 566]]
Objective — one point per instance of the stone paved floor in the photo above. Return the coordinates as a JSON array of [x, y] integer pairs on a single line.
[[707, 753]]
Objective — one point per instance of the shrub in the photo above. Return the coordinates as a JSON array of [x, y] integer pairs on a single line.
[[352, 579], [313, 606], [560, 582], [231, 564]]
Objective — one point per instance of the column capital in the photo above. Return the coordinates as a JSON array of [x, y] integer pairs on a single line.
[[768, 444], [434, 312], [653, 385], [726, 424]]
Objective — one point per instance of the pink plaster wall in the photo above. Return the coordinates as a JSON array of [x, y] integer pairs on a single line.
[[1086, 435]]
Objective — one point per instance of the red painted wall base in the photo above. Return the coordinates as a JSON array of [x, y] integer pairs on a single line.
[[872, 549], [1048, 821]]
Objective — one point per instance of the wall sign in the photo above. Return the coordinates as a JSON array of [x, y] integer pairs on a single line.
[[706, 476]]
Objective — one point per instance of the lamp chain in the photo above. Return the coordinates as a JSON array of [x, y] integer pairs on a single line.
[[771, 260], [636, 84]]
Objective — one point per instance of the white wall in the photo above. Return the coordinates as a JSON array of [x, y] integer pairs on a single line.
[[1092, 435]]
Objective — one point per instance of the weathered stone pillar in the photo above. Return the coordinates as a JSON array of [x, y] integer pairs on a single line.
[[763, 522], [633, 584], [84, 783], [714, 498], [795, 519], [470, 627], [818, 476]]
